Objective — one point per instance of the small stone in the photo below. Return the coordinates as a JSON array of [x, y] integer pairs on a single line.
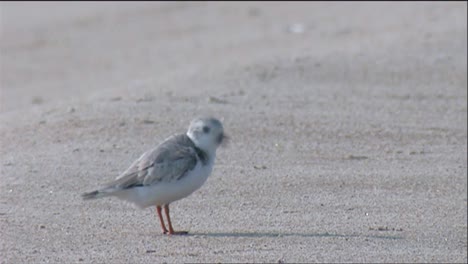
[[352, 157], [147, 121], [215, 100]]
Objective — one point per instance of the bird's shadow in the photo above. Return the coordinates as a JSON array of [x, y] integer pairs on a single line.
[[279, 234]]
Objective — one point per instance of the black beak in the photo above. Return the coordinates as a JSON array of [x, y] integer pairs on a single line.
[[222, 139]]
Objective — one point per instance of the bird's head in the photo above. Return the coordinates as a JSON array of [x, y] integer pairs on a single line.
[[207, 133]]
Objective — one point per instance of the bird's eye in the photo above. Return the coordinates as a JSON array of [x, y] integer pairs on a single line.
[[206, 129]]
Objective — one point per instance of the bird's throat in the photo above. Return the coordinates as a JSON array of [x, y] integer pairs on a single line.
[[202, 155]]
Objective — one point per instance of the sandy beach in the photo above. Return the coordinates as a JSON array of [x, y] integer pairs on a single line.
[[347, 125]]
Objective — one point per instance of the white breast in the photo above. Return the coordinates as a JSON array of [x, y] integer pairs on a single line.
[[162, 193]]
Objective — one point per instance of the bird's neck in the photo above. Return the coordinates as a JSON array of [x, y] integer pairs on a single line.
[[205, 155]]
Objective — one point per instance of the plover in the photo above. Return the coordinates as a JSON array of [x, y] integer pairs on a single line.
[[169, 172]]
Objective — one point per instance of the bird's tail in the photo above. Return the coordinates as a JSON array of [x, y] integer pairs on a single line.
[[96, 194]]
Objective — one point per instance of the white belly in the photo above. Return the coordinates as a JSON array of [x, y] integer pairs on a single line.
[[162, 193]]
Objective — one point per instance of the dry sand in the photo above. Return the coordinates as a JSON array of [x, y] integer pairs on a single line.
[[348, 125]]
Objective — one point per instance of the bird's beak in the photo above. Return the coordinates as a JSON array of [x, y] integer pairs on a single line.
[[223, 139]]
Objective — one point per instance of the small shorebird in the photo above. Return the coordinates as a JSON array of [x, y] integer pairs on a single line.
[[171, 171]]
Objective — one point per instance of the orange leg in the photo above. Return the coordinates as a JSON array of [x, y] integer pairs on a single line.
[[158, 209], [171, 230]]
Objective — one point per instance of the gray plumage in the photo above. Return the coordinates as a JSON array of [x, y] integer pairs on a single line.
[[170, 161]]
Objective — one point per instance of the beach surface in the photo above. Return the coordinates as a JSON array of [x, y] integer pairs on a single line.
[[347, 125]]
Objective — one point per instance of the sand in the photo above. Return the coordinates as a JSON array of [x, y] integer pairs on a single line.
[[348, 126]]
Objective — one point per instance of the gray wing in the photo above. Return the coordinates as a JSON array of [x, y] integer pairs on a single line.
[[168, 162]]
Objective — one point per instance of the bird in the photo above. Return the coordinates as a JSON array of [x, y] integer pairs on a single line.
[[172, 170]]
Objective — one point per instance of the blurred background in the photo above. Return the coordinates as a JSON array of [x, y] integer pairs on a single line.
[[52, 51]]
